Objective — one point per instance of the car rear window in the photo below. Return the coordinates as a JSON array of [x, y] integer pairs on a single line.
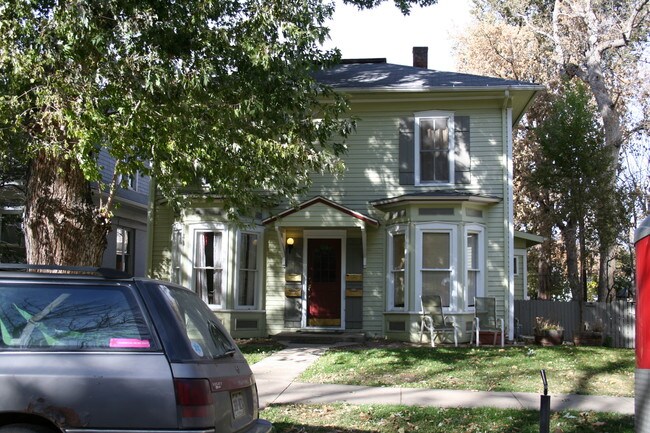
[[72, 318], [204, 331]]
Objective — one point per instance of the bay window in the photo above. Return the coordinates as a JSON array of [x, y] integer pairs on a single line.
[[397, 269], [436, 263], [209, 261], [474, 263], [248, 270], [448, 266]]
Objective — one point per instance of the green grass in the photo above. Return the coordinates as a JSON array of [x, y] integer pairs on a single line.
[[569, 369], [254, 350], [343, 418]]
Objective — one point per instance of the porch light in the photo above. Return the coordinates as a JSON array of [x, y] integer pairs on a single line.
[[290, 242]]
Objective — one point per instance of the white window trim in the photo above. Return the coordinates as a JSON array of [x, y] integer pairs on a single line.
[[452, 229], [176, 265], [211, 227], [397, 230], [258, 277], [515, 265], [134, 177], [480, 281], [449, 115], [128, 258], [524, 270]]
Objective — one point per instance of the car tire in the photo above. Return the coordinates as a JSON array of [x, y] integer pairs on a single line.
[[27, 428]]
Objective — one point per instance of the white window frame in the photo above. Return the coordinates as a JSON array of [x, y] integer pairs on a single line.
[[480, 279], [515, 265], [127, 249], [130, 179], [390, 278], [176, 265], [450, 125], [454, 290], [211, 227], [258, 271], [523, 263]]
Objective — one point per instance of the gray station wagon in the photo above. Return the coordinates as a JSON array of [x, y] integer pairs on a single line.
[[98, 354]]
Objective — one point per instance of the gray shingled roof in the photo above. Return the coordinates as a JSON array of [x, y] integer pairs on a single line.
[[376, 76]]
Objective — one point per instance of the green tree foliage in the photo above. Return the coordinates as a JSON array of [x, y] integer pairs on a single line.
[[213, 92], [574, 170], [600, 43]]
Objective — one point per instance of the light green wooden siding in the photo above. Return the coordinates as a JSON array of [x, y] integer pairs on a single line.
[[374, 283], [320, 215], [160, 232], [274, 283]]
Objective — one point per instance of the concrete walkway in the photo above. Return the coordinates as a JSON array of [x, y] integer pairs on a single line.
[[276, 383]]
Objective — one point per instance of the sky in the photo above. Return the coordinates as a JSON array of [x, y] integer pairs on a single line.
[[384, 32]]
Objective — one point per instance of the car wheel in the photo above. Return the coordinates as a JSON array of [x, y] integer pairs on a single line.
[[26, 428]]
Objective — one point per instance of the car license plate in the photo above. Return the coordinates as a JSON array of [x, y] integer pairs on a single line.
[[238, 407]]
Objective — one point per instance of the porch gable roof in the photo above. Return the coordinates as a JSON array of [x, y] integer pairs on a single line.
[[330, 205]]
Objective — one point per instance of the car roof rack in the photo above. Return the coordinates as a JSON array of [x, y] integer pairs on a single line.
[[102, 272]]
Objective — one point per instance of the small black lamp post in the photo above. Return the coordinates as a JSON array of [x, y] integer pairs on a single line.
[[544, 407]]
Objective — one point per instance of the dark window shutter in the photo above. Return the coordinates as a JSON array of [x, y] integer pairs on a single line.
[[462, 159], [406, 151]]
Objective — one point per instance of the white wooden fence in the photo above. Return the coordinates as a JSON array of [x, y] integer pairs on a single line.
[[617, 317]]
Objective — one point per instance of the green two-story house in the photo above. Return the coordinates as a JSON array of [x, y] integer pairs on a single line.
[[424, 207]]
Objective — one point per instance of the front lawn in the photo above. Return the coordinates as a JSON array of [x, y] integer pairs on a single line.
[[344, 418], [569, 369]]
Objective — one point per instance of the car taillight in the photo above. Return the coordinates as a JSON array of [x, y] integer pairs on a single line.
[[193, 397]]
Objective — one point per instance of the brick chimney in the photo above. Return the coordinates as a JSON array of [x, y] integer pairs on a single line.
[[420, 57]]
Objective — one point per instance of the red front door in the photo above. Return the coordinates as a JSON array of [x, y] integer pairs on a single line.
[[324, 282]]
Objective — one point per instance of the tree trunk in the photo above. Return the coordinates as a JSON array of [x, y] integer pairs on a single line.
[[605, 275], [62, 225], [544, 275], [571, 250]]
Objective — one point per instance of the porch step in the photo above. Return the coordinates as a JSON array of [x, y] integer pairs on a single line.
[[319, 337]]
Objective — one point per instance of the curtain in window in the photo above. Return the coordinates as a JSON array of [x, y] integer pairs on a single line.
[[473, 267], [247, 269], [434, 150], [208, 267], [398, 266]]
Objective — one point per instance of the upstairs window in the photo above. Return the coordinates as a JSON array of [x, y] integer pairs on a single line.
[[434, 149], [434, 154], [128, 181]]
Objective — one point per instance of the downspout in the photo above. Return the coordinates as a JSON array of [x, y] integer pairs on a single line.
[[510, 214], [151, 212]]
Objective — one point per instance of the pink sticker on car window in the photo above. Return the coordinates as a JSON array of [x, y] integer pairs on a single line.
[[129, 343]]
